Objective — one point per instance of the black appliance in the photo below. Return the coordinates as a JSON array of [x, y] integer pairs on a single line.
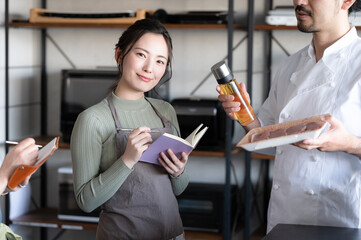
[[192, 112], [201, 206], [195, 17], [68, 208], [80, 90]]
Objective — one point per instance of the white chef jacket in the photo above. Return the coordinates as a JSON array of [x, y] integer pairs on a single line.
[[310, 186]]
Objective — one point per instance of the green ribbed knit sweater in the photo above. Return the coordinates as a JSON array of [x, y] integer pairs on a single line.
[[97, 172]]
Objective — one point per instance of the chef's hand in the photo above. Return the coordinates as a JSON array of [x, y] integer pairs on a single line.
[[138, 141], [231, 107], [172, 164], [228, 104], [336, 138]]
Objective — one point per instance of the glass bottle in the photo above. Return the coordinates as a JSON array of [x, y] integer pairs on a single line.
[[230, 86]]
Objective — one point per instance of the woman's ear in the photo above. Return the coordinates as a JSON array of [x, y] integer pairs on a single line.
[[118, 55]]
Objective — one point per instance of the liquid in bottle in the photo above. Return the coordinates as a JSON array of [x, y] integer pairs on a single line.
[[229, 86]]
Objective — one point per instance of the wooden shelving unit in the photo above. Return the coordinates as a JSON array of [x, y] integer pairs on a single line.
[[47, 217]]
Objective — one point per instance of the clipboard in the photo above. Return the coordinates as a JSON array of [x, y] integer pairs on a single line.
[[23, 171]]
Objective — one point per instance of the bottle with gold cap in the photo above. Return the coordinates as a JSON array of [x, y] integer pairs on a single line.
[[230, 86]]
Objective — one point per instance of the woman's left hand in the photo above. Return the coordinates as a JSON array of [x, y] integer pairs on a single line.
[[172, 164]]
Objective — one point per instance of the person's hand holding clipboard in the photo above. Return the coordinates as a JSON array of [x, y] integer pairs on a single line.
[[24, 171]]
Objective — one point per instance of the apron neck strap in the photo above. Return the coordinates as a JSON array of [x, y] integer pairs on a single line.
[[114, 112], [165, 121]]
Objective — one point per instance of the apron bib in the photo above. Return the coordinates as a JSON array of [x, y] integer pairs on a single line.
[[144, 207]]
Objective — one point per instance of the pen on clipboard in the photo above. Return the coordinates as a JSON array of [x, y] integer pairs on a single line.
[[131, 129], [15, 143]]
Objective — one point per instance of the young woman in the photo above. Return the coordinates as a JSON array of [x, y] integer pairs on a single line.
[[137, 198]]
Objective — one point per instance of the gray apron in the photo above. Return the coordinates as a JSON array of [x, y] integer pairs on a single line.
[[144, 207]]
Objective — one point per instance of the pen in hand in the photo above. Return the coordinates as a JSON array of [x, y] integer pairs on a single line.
[[131, 129], [15, 143]]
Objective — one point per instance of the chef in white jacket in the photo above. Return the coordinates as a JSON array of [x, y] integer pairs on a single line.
[[317, 181]]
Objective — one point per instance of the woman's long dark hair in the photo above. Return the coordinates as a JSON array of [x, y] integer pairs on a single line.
[[133, 34]]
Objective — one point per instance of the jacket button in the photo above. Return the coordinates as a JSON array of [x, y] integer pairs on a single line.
[[310, 192], [285, 115], [275, 187]]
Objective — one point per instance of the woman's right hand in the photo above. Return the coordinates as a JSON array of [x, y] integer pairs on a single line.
[[138, 141]]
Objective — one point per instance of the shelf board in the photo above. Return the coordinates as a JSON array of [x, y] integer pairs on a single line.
[[274, 27], [67, 25], [202, 235], [43, 140], [280, 27], [47, 217], [262, 156], [167, 25], [113, 25]]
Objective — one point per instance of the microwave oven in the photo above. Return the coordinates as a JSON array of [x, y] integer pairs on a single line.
[[193, 111]]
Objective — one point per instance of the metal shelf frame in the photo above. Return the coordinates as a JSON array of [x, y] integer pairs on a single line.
[[44, 86]]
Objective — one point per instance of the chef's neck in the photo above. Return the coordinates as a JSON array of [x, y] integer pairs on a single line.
[[323, 39]]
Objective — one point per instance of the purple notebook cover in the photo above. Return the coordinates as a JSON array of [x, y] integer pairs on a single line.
[[162, 144]]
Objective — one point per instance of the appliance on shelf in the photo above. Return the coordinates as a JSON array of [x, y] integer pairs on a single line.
[[80, 90], [201, 206], [68, 208], [191, 17], [191, 112]]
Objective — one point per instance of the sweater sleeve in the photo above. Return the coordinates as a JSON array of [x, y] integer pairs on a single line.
[[180, 183], [91, 187]]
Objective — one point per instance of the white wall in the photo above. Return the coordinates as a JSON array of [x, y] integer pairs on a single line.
[[195, 51]]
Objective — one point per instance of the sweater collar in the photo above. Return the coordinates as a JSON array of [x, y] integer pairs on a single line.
[[129, 104]]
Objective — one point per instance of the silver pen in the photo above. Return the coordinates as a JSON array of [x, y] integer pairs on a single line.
[[131, 129], [16, 143]]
